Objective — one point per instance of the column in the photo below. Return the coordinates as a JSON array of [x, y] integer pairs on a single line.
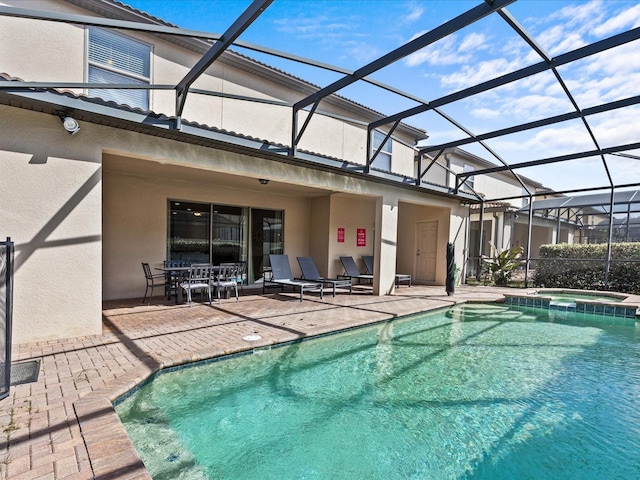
[[385, 245]]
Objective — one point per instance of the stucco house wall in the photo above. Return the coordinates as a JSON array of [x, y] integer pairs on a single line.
[[86, 210]]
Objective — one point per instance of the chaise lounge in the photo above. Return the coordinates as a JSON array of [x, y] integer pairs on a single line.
[[310, 273], [281, 275], [400, 277], [351, 270]]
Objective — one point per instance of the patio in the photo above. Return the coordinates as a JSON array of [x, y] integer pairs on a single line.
[[63, 426]]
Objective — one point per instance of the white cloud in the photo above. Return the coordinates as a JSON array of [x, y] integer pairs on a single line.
[[415, 13], [581, 16], [360, 52], [473, 41], [443, 52], [473, 74], [627, 18], [486, 113]]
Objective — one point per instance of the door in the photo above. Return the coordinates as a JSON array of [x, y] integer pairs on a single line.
[[267, 229], [426, 251]]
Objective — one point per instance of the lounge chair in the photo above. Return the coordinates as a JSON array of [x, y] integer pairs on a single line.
[[351, 270], [310, 273], [281, 275], [400, 277]]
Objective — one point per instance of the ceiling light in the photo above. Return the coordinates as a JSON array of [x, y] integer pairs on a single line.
[[263, 181]]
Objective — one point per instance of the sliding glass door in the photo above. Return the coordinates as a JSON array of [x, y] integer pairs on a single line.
[[210, 233]]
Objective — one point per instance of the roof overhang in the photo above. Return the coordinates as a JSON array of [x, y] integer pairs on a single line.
[[95, 110]]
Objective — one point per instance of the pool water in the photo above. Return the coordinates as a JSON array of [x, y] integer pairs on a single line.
[[473, 392]]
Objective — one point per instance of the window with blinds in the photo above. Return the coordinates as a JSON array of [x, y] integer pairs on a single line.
[[115, 58], [383, 160]]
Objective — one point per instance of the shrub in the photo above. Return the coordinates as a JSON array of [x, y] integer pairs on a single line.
[[583, 266]]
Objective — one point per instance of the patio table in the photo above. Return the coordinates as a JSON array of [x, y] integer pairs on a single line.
[[180, 273]]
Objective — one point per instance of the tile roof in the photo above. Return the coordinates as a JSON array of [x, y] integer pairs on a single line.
[[165, 120]]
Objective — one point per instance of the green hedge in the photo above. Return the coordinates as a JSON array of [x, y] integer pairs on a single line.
[[583, 266]]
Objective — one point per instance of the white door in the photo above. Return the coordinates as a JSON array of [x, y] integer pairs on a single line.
[[426, 251]]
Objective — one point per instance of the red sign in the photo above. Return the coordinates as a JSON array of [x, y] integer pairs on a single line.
[[361, 237], [340, 235]]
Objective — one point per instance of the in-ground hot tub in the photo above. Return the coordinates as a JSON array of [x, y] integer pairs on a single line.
[[579, 301]]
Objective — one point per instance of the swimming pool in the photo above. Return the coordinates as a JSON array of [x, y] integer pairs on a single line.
[[476, 391]]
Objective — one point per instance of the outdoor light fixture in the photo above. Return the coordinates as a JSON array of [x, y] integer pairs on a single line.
[[263, 181], [70, 124]]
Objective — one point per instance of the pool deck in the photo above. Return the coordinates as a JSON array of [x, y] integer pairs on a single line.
[[63, 426]]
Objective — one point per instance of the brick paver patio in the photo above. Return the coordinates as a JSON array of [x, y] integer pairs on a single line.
[[63, 426]]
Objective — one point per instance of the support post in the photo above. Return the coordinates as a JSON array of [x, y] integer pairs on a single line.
[[529, 226], [6, 308], [386, 245], [607, 265], [481, 243]]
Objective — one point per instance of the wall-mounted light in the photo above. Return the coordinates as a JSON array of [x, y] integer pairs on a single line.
[[263, 181], [69, 123]]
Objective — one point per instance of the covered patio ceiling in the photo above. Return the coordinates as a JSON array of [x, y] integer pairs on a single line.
[[612, 158]]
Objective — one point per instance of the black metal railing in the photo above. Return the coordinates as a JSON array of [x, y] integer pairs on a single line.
[[6, 310]]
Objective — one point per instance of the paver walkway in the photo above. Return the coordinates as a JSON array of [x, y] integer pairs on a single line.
[[63, 426]]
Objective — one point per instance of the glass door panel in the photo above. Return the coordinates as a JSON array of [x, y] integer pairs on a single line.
[[189, 229], [228, 236], [267, 234]]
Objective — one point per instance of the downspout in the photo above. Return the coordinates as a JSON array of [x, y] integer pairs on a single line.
[[465, 252]]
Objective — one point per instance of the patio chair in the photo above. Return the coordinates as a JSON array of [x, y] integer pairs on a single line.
[[199, 279], [281, 275], [174, 277], [226, 277], [400, 277], [310, 272], [351, 270], [153, 281], [241, 268]]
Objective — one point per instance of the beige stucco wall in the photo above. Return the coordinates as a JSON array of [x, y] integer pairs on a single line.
[[135, 221], [51, 209], [403, 159], [350, 212], [320, 231], [498, 185], [56, 51], [409, 216], [86, 210]]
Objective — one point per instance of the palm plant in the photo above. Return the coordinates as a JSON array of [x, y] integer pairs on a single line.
[[502, 263]]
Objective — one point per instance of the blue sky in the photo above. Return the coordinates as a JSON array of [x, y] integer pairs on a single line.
[[352, 33]]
